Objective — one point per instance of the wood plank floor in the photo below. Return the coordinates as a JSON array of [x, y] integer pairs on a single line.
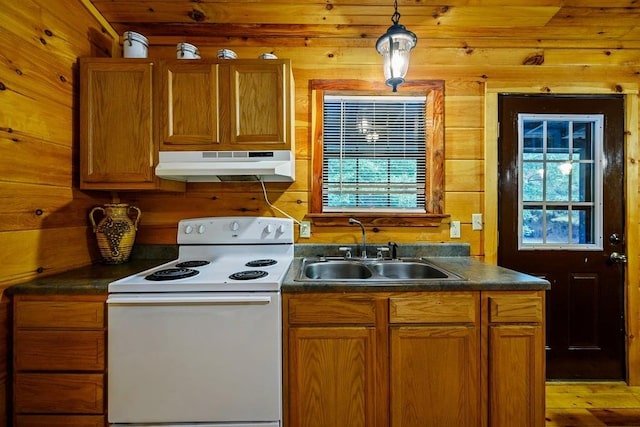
[[592, 404]]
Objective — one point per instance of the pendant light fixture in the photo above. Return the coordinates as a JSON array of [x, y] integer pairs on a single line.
[[395, 47]]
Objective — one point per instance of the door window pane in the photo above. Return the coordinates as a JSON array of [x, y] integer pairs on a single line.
[[557, 181], [532, 181], [559, 185], [558, 226], [532, 224], [558, 139]]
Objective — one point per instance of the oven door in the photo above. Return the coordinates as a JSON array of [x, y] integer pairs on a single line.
[[195, 357]]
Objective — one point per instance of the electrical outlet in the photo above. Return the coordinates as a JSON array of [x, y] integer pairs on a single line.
[[305, 229], [476, 221], [454, 230]]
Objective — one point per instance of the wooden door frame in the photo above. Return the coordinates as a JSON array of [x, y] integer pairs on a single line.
[[632, 227]]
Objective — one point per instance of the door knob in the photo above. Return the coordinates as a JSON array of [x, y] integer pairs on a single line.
[[617, 257]]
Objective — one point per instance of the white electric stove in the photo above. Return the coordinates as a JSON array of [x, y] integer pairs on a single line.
[[197, 341], [221, 254]]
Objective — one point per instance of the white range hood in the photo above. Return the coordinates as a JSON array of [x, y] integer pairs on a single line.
[[227, 166]]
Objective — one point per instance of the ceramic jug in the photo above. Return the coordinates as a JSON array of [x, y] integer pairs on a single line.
[[116, 231]]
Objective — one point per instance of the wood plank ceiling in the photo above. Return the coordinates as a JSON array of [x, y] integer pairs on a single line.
[[595, 23]]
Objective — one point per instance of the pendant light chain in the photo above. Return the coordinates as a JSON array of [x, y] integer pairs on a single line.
[[395, 18]]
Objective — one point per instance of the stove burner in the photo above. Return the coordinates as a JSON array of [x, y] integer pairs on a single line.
[[248, 275], [261, 263], [191, 264], [172, 274]]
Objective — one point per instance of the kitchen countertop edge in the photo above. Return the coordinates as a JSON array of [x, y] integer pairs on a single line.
[[92, 279], [478, 275]]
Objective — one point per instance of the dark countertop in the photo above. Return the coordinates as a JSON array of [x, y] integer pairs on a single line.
[[476, 275], [93, 279]]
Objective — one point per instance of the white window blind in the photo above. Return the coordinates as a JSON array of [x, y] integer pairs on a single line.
[[374, 153]]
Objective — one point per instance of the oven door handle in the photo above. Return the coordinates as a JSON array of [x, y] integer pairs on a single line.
[[188, 300]]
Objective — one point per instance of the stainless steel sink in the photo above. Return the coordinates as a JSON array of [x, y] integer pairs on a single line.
[[408, 270], [336, 270], [372, 270]]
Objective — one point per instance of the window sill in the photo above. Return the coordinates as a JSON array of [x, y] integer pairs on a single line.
[[379, 219]]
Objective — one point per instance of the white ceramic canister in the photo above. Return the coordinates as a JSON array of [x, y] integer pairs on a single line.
[[267, 55], [226, 54], [187, 51], [135, 45]]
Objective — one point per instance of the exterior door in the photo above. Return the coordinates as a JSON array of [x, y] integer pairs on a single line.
[[561, 217]]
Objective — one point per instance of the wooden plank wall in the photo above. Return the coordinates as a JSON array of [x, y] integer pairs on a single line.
[[43, 218], [466, 70]]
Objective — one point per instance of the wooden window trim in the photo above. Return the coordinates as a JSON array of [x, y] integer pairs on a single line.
[[434, 179]]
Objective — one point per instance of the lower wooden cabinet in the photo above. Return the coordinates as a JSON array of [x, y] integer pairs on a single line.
[[333, 368], [435, 360], [513, 324], [414, 359], [59, 361]]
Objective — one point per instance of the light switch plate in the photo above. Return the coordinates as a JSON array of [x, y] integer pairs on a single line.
[[305, 229], [454, 230], [476, 221]]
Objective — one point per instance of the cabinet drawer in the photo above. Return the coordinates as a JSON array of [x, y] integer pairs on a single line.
[[51, 350], [59, 393], [59, 314], [324, 310], [60, 421], [434, 308], [516, 308]]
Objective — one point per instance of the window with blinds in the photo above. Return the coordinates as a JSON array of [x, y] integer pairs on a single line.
[[374, 153]]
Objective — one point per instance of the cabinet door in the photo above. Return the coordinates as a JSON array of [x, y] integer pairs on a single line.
[[260, 105], [435, 376], [116, 130], [332, 376], [189, 105], [516, 358], [515, 369]]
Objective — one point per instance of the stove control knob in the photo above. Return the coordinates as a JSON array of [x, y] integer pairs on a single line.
[[188, 229], [268, 229], [201, 229], [280, 229], [235, 226]]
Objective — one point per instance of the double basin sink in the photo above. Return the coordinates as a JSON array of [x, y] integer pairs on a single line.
[[372, 270]]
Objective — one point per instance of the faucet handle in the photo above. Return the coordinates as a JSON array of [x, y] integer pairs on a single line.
[[394, 249], [381, 252], [346, 250]]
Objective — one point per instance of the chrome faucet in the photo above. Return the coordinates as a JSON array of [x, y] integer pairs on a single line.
[[364, 236]]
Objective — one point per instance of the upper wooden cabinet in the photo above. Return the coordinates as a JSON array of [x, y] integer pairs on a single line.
[[118, 147], [189, 105], [133, 108], [226, 105]]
